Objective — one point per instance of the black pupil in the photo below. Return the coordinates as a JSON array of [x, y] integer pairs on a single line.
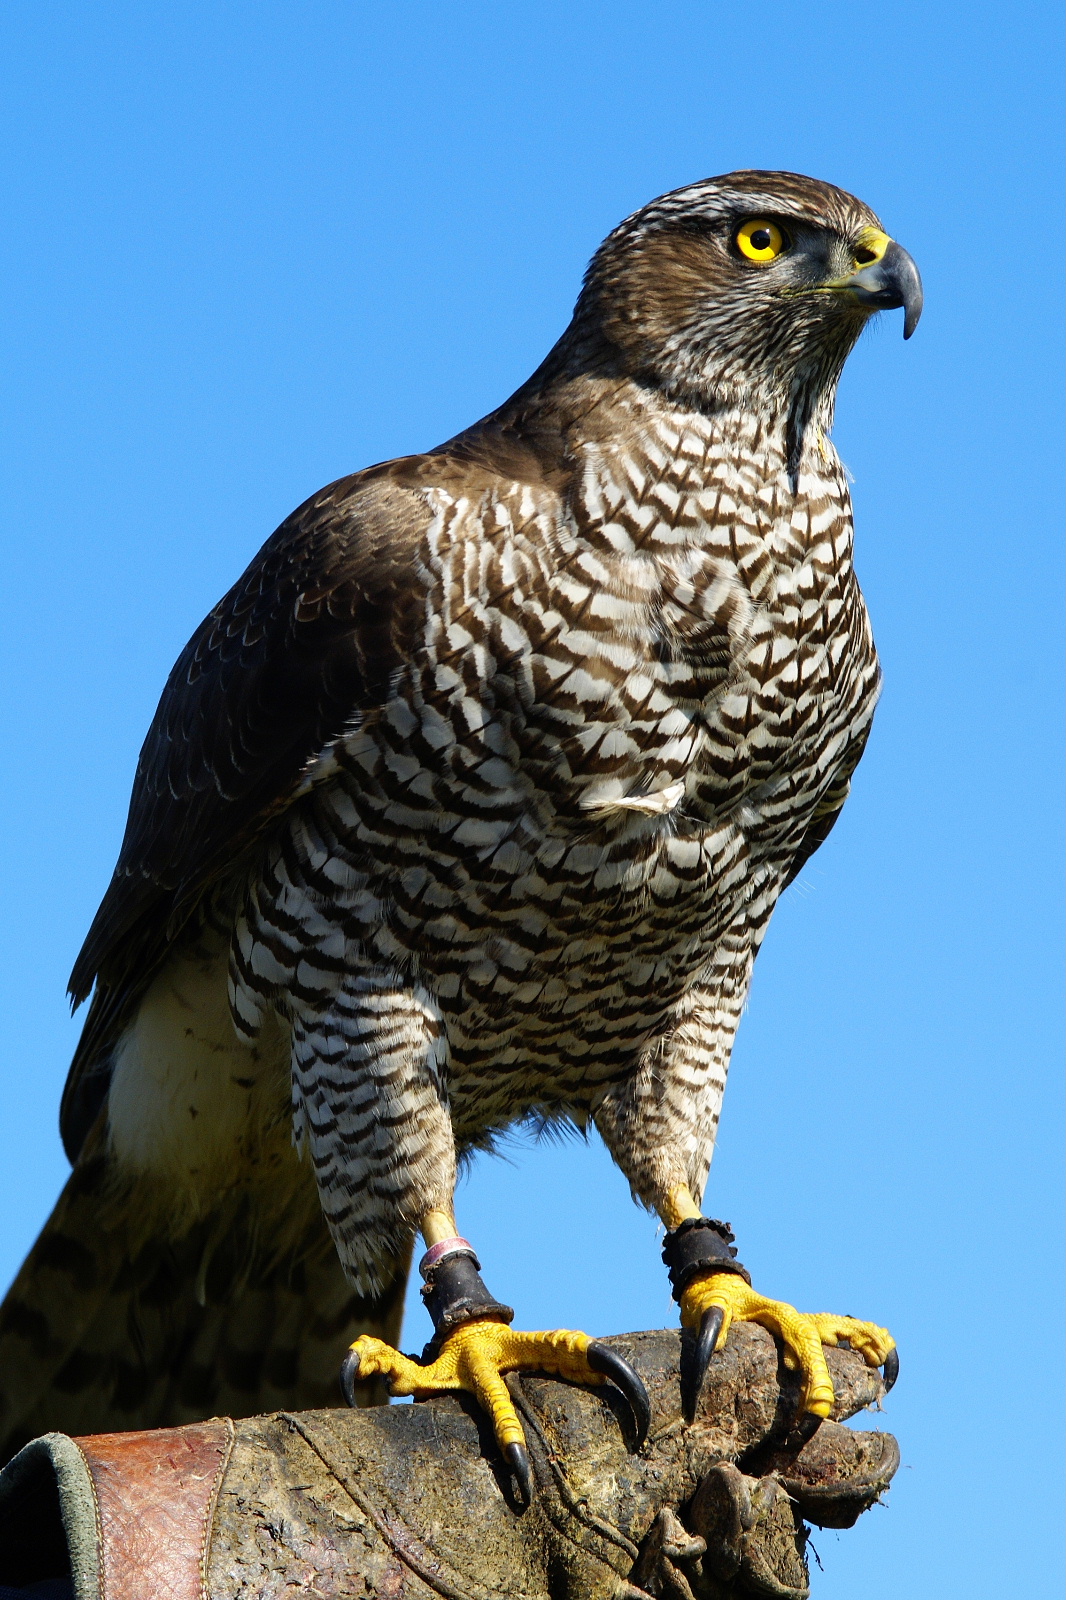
[[762, 238]]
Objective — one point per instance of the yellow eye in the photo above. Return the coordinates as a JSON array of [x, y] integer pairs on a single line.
[[761, 241]]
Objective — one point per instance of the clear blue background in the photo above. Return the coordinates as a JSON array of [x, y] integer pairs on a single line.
[[247, 248]]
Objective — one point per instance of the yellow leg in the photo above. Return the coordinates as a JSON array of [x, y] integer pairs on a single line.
[[802, 1333], [438, 1226]]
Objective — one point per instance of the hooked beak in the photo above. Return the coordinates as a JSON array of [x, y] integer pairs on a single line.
[[891, 279]]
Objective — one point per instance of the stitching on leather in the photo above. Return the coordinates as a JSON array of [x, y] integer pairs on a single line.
[[209, 1517]]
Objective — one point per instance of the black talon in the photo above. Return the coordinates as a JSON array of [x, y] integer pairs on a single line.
[[706, 1342], [890, 1369], [621, 1374], [349, 1373], [518, 1462]]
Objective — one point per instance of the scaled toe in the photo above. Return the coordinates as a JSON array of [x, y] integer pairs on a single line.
[[712, 1301], [474, 1356]]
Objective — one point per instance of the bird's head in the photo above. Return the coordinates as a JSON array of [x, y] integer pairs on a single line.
[[753, 285]]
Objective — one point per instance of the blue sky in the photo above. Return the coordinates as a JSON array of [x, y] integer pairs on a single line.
[[250, 247]]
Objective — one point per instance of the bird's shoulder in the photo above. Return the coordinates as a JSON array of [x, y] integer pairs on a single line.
[[308, 636]]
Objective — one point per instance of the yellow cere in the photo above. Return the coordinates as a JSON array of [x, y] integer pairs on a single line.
[[870, 246], [760, 240]]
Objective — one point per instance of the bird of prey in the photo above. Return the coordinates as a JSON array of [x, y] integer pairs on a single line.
[[471, 801]]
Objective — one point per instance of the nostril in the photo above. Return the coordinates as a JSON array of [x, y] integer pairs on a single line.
[[863, 257]]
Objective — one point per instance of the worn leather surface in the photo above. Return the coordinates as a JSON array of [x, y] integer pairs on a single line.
[[414, 1503], [155, 1494]]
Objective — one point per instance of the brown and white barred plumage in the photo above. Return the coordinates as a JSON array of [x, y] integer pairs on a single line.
[[537, 878], [484, 779]]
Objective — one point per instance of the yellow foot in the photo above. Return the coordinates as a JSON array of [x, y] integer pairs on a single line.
[[714, 1300], [474, 1356]]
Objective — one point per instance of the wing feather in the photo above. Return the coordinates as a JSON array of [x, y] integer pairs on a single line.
[[308, 637]]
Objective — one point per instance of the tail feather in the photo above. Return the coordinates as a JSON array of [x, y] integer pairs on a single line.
[[105, 1330]]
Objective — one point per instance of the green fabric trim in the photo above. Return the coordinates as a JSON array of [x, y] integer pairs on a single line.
[[26, 1475]]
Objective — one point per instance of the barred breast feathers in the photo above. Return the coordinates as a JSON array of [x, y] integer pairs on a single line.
[[663, 645]]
